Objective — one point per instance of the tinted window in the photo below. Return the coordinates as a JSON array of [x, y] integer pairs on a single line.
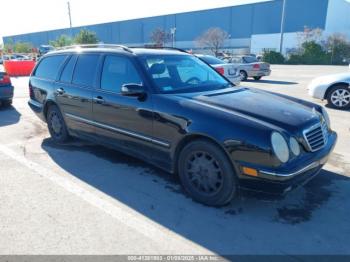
[[85, 70], [118, 71], [250, 59], [49, 67], [68, 70], [211, 60]]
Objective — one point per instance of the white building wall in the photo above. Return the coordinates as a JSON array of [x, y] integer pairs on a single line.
[[338, 17], [272, 42]]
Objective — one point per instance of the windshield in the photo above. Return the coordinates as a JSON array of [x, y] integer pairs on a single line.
[[182, 74], [211, 60], [250, 59]]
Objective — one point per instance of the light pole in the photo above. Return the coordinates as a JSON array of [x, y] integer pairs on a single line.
[[282, 24], [173, 34], [69, 14]]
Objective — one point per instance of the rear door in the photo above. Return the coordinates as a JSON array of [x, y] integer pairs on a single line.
[[74, 92], [121, 120]]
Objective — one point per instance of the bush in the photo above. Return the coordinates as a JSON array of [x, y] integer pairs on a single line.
[[311, 53], [273, 57]]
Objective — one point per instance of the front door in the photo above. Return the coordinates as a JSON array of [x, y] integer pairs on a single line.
[[125, 122]]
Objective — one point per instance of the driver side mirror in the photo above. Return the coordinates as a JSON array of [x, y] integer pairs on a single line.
[[132, 90]]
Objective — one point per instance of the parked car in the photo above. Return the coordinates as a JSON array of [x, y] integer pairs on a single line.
[[171, 109], [334, 88], [6, 89], [250, 66], [230, 71], [44, 49]]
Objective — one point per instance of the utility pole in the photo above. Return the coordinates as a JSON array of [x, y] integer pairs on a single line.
[[173, 34], [70, 16], [282, 24]]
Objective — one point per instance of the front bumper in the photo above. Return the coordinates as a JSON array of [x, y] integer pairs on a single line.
[[282, 180]]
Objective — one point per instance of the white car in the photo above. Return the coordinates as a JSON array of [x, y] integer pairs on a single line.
[[334, 88], [230, 71]]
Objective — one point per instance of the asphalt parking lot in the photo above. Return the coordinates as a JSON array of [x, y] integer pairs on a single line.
[[81, 198]]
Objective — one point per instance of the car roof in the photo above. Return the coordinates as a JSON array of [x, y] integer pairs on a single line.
[[121, 50]]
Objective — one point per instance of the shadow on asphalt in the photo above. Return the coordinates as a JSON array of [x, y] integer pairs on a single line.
[[8, 115], [158, 196], [273, 82]]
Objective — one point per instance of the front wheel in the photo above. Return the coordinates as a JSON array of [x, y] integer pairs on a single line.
[[206, 173], [57, 126], [339, 97], [257, 78]]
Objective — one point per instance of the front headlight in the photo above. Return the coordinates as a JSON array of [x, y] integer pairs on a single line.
[[280, 147], [326, 117]]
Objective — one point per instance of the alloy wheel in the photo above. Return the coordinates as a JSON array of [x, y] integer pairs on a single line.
[[341, 97]]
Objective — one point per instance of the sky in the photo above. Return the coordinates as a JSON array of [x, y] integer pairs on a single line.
[[26, 16]]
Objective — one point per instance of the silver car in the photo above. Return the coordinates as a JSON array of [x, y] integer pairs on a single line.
[[230, 71], [249, 66], [334, 88]]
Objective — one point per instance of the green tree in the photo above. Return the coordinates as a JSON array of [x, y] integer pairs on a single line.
[[338, 47], [311, 53], [86, 37], [273, 57], [61, 41]]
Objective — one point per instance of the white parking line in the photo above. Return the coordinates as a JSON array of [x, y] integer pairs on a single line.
[[127, 216]]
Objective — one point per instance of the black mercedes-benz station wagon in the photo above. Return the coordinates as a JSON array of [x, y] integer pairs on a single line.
[[173, 110]]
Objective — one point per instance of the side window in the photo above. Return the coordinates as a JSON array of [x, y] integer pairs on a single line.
[[118, 71], [85, 70], [49, 67], [67, 73]]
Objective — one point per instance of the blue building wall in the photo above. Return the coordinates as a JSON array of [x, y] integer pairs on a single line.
[[239, 21]]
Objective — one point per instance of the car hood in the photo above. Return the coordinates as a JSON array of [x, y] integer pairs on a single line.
[[259, 106], [329, 79]]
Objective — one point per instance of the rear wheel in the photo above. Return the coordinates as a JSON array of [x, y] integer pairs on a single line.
[[206, 173], [57, 126], [339, 97], [243, 75], [257, 78], [7, 103]]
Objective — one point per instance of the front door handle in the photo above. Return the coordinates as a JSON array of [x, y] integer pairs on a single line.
[[60, 91], [99, 100]]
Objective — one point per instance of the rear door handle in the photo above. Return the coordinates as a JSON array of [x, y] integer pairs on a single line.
[[60, 91], [99, 100]]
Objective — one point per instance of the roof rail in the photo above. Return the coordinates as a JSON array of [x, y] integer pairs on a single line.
[[161, 47], [125, 48]]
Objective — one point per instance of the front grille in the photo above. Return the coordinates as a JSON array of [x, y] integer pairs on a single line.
[[317, 136]]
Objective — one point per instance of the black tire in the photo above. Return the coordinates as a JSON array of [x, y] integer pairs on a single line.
[[7, 103], [207, 174], [339, 97], [57, 126], [243, 75], [257, 78]]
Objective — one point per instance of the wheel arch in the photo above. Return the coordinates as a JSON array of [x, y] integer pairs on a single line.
[[47, 104], [338, 84]]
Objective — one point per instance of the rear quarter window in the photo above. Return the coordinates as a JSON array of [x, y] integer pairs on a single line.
[[49, 67]]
